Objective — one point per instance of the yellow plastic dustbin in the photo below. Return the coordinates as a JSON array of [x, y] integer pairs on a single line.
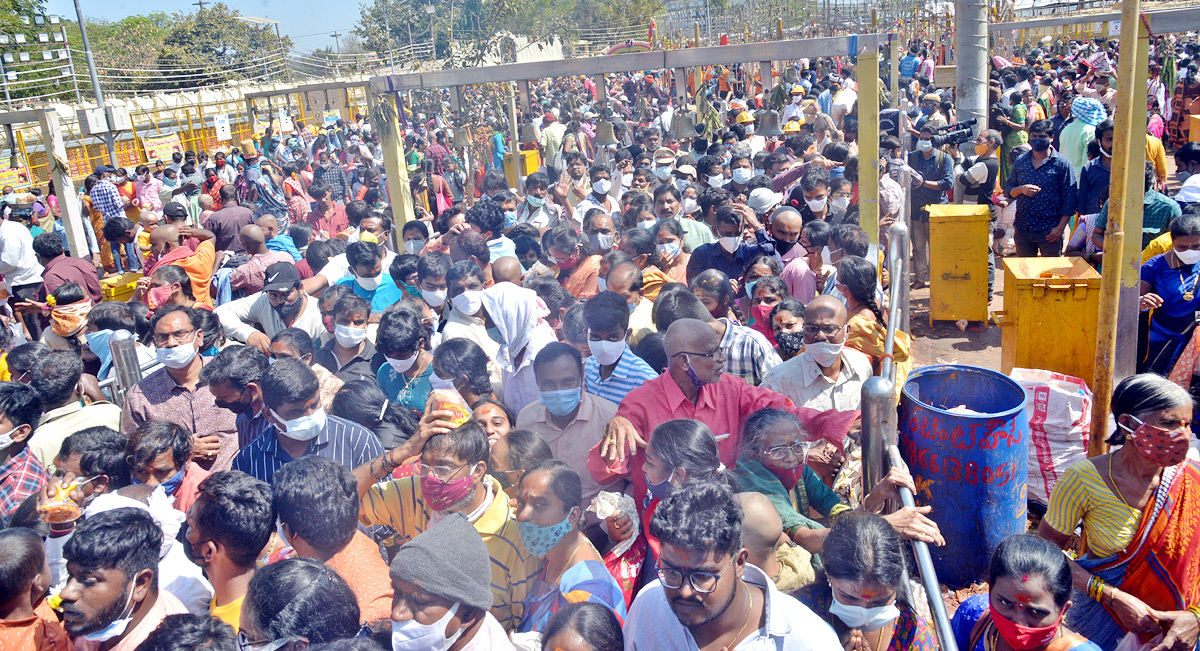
[[958, 249], [528, 160], [120, 288], [1049, 321]]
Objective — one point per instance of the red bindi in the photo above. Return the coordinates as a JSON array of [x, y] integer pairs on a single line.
[[1024, 598], [1024, 578]]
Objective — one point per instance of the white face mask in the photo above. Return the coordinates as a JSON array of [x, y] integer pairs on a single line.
[[681, 184], [816, 205], [401, 365], [412, 634], [824, 353], [438, 382], [1188, 257], [742, 175], [729, 244], [627, 179], [369, 283], [716, 181], [468, 302], [179, 356], [349, 336], [434, 299], [690, 206], [303, 428], [607, 352], [601, 284], [663, 172], [647, 224], [6, 439], [413, 247], [601, 186], [841, 202], [116, 627], [864, 619], [924, 145]]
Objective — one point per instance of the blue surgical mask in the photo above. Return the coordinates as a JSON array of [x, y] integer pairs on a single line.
[[510, 219], [538, 539], [561, 403], [171, 485], [97, 342], [691, 373]]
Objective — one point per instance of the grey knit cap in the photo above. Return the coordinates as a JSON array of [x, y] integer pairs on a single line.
[[448, 560]]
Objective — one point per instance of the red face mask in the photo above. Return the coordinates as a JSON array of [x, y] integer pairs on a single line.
[[1157, 445], [1023, 638]]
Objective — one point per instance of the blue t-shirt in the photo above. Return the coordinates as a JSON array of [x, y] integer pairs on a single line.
[[411, 393], [381, 297], [1171, 320]]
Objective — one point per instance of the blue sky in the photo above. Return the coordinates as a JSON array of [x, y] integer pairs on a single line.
[[308, 22]]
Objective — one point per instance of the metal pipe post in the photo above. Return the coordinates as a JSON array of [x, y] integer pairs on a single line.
[[125, 363], [87, 52], [878, 408], [933, 591]]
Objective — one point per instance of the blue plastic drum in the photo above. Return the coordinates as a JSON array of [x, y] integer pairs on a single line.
[[965, 436]]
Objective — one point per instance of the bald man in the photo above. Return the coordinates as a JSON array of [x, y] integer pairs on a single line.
[[827, 375], [169, 246], [694, 386], [626, 280], [789, 565], [786, 228], [276, 241], [250, 276], [507, 270]]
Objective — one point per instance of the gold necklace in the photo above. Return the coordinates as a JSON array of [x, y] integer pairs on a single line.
[[749, 614], [1188, 294]]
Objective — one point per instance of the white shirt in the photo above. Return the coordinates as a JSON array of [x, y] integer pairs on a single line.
[[17, 261], [800, 378], [236, 317], [338, 268], [791, 626]]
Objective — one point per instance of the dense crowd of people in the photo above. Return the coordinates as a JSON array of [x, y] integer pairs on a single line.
[[611, 404]]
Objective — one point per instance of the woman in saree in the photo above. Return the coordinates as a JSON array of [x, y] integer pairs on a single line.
[[1170, 292], [1029, 591], [549, 514], [773, 462], [1015, 122], [578, 267], [1185, 101], [865, 597], [1138, 508], [866, 331]]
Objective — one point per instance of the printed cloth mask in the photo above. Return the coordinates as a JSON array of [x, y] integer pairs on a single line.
[[1157, 445], [790, 343], [67, 320], [441, 494], [538, 539]]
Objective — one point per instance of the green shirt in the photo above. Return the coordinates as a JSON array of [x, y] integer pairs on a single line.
[[792, 505], [1157, 212]]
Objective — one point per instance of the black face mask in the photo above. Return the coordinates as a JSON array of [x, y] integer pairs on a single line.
[[783, 246], [235, 407], [790, 343], [289, 310]]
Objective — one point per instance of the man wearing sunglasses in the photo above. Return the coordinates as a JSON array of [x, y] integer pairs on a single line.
[[112, 599], [707, 594]]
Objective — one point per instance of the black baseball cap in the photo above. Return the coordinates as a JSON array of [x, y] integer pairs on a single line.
[[104, 169], [281, 277], [175, 210]]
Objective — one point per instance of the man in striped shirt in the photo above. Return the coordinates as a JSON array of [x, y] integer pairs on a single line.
[[300, 427], [612, 370], [451, 477]]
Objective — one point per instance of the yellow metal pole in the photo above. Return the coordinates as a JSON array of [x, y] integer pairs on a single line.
[[397, 172], [697, 34], [895, 66], [868, 137], [1126, 161]]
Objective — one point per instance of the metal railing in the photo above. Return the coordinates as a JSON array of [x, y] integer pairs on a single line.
[[126, 369], [880, 434]]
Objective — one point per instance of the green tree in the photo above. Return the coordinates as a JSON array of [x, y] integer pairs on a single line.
[[222, 48]]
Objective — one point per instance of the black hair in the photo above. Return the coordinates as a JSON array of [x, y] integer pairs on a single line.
[[463, 357], [351, 304], [689, 444], [293, 337], [22, 358], [1142, 394], [235, 510], [851, 238], [670, 306], [700, 517], [68, 293], [865, 547], [716, 283], [488, 217], [565, 239], [462, 269], [526, 449], [116, 228], [301, 234], [433, 265], [188, 632], [288, 381], [22, 555], [523, 245], [473, 244], [171, 309], [126, 539], [317, 255], [468, 442], [564, 482], [400, 333], [363, 402], [1025, 554], [1186, 225], [592, 622], [573, 326], [155, 437], [553, 351], [209, 323], [56, 375], [171, 274], [642, 242], [859, 277], [21, 404], [362, 253], [237, 365], [48, 245], [301, 597], [317, 497], [652, 350], [403, 266], [351, 644], [606, 311], [553, 294], [101, 451]]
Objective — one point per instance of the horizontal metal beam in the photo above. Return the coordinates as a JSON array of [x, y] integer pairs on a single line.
[[307, 88], [20, 117], [687, 57], [1162, 21]]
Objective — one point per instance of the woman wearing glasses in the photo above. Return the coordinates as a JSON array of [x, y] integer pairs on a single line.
[[772, 462]]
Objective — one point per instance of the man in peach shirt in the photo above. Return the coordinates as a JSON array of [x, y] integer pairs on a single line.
[[317, 502], [111, 599]]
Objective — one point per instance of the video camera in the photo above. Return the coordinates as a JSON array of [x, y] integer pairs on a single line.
[[953, 134]]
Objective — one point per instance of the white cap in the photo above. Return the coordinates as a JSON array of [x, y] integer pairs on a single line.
[[762, 199]]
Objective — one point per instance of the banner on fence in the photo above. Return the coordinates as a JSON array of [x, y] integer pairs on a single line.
[[161, 147], [221, 124], [17, 177]]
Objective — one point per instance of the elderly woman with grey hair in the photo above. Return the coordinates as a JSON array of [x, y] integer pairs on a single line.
[[772, 462]]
